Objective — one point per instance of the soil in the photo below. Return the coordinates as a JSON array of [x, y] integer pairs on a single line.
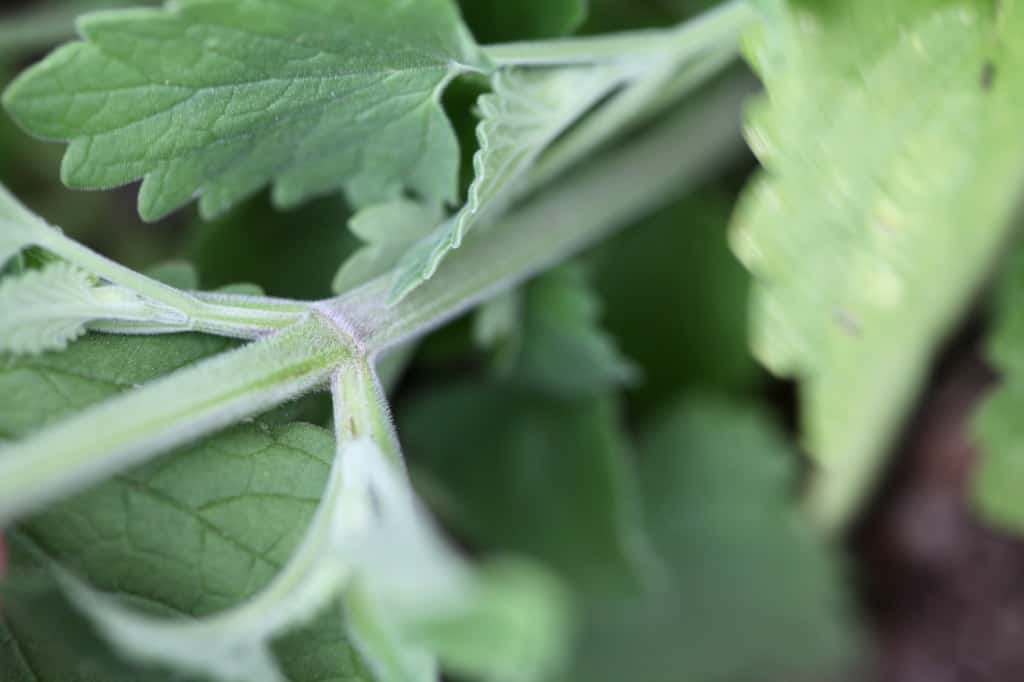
[[943, 593]]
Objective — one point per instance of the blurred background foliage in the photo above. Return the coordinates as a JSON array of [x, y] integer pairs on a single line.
[[671, 471]]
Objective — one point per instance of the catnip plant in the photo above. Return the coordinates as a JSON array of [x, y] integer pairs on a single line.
[[163, 505]]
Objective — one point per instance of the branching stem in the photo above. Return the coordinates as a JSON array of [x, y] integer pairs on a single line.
[[622, 185]]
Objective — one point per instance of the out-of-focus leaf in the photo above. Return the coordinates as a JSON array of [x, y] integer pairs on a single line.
[[44, 638], [517, 472], [547, 337], [750, 594], [676, 301], [893, 156]]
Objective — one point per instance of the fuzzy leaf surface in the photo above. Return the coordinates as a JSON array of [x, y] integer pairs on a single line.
[[217, 99], [44, 637]]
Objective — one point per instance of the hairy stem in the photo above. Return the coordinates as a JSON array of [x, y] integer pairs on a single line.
[[231, 316], [172, 411], [361, 409]]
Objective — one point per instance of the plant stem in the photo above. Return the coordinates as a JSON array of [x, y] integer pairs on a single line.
[[616, 188], [233, 316], [177, 409], [607, 193], [361, 410], [711, 29]]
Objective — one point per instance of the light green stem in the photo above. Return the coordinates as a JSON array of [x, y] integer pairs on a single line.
[[361, 409], [238, 317], [714, 27], [172, 411]]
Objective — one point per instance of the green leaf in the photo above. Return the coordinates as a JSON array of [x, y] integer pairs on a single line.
[[390, 655], [498, 326], [999, 476], [513, 627], [528, 110], [178, 536], [322, 651], [495, 21], [749, 592], [904, 119], [548, 337], [676, 302], [44, 637], [517, 472], [45, 309], [217, 99], [387, 230]]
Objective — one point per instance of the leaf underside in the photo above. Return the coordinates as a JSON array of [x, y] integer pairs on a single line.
[[528, 110]]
